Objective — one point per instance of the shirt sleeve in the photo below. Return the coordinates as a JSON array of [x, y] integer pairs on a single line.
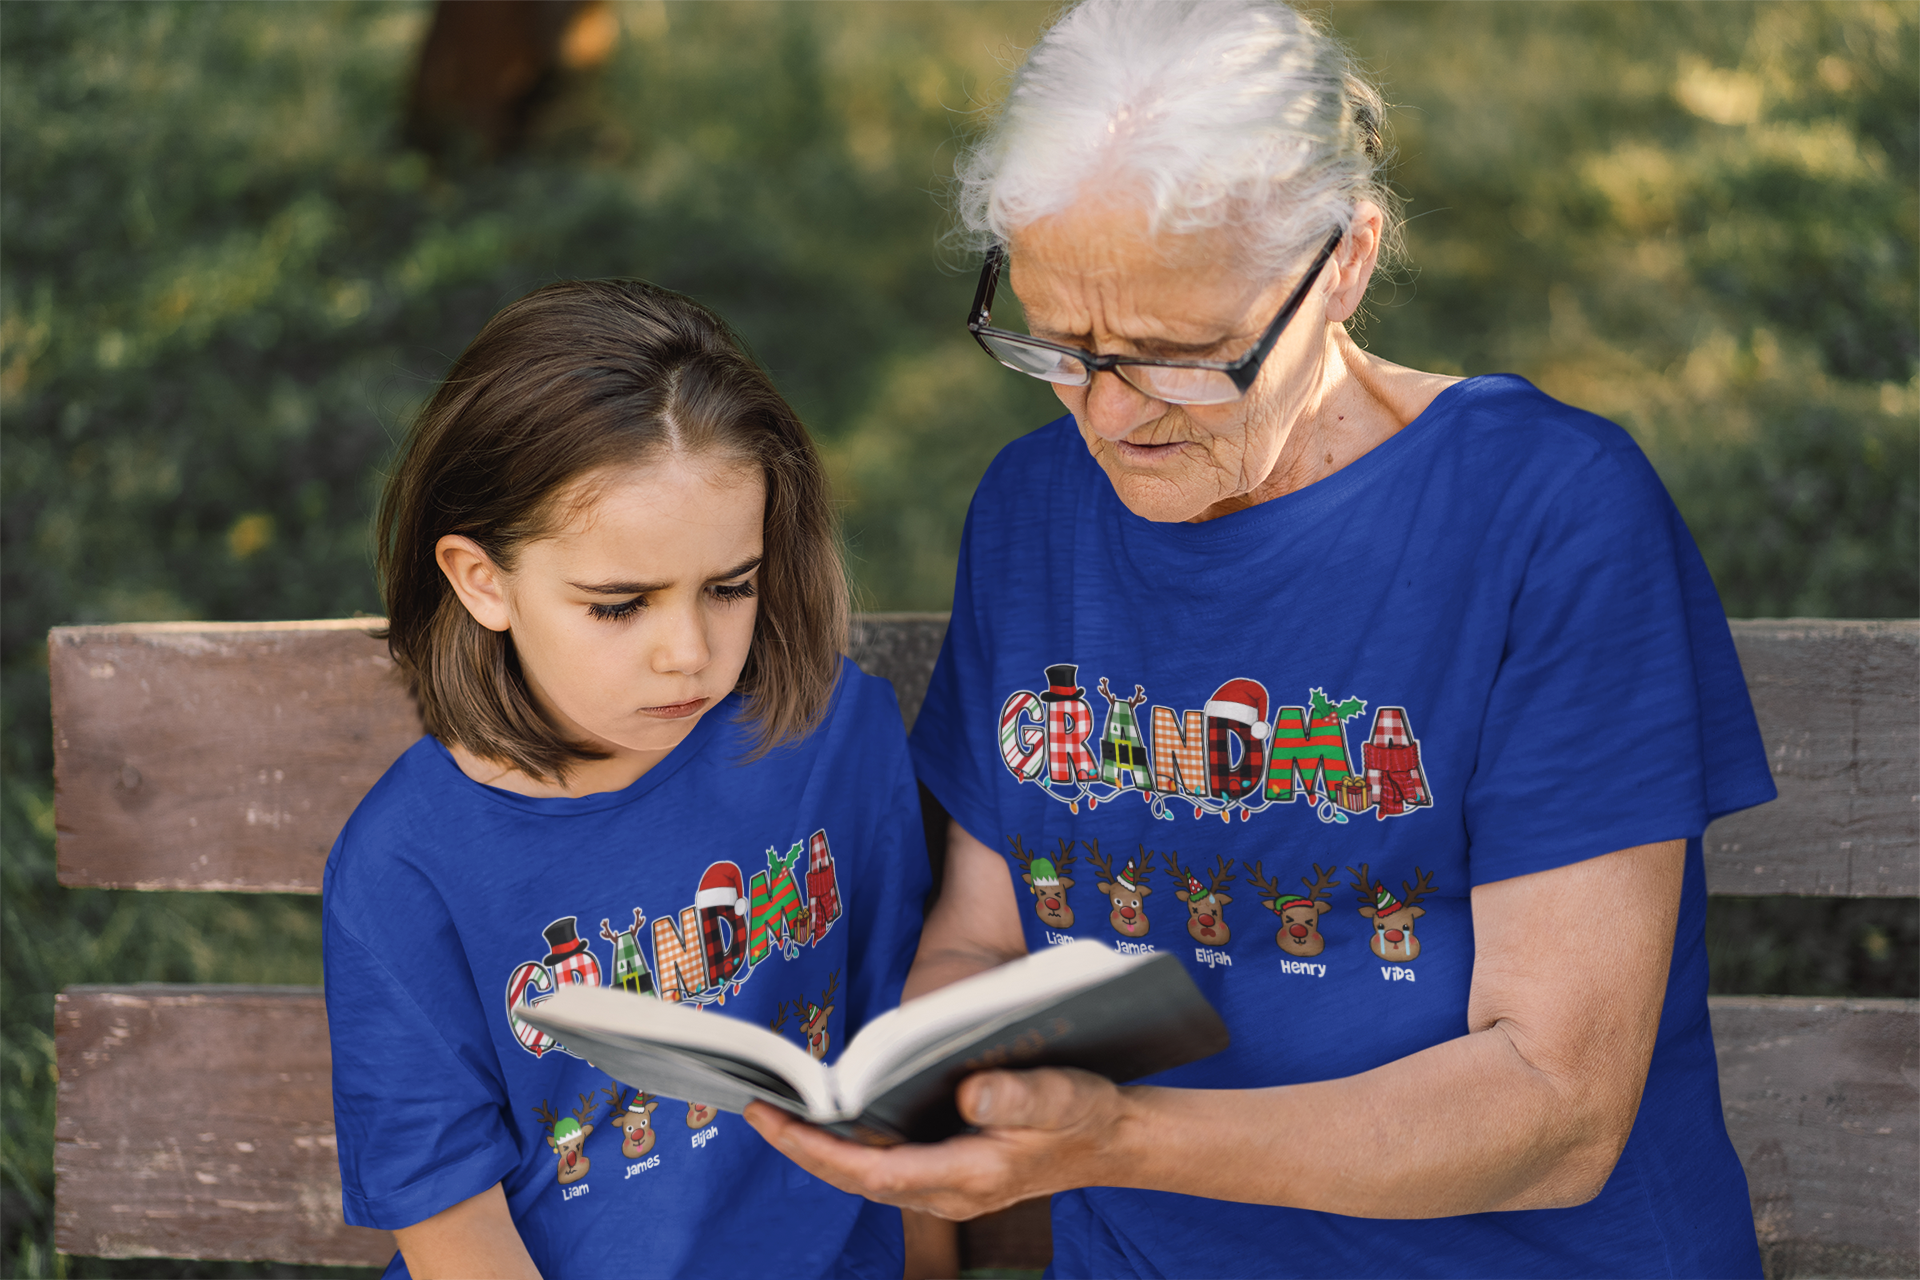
[[1595, 736], [886, 897], [420, 1122]]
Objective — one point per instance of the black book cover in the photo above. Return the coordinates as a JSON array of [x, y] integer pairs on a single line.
[[1151, 1019]]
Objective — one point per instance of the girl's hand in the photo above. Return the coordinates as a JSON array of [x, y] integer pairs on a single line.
[[1041, 1131]]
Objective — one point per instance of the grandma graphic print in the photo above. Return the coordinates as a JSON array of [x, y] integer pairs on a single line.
[[1236, 752]]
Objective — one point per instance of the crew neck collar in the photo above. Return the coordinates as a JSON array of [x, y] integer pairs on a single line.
[[1312, 502], [711, 725]]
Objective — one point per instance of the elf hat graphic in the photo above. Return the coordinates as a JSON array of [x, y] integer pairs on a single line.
[[563, 939], [1043, 873], [1063, 683], [1286, 900], [1384, 903], [1194, 888], [1126, 878], [723, 886], [1243, 701]]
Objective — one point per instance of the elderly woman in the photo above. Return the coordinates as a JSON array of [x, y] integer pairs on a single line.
[[1395, 705]]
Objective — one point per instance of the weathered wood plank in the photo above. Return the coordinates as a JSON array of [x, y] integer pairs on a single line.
[[228, 755], [209, 756], [156, 1155], [1839, 707], [1822, 1098], [206, 756], [197, 1122], [901, 648]]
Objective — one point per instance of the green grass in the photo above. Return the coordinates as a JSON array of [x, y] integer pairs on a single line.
[[224, 285]]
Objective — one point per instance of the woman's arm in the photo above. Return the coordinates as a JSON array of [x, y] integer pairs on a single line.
[[1528, 1110], [474, 1240]]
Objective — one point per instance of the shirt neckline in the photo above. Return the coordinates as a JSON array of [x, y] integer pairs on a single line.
[[690, 747], [1243, 527]]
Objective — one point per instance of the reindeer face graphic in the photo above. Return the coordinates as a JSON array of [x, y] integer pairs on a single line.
[[1127, 891], [1299, 917], [1206, 904], [568, 1138], [1048, 880], [1392, 917], [634, 1118], [700, 1114], [813, 1018]]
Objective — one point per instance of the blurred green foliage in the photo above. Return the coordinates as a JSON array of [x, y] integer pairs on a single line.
[[224, 286]]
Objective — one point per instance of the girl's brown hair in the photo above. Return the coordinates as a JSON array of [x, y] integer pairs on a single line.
[[571, 379]]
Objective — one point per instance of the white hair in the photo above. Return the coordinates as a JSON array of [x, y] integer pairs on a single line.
[[1240, 114]]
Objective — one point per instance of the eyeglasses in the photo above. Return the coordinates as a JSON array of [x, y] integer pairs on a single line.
[[1173, 381]]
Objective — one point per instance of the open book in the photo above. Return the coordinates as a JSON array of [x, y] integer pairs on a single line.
[[1081, 1005]]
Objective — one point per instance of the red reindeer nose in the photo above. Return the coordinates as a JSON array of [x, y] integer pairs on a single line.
[[1297, 930], [1206, 921], [1126, 913], [1394, 935], [1053, 904]]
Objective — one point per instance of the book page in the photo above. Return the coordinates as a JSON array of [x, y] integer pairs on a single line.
[[655, 1041], [923, 1026]]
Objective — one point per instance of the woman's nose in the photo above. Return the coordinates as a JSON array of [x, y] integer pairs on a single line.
[[1115, 408]]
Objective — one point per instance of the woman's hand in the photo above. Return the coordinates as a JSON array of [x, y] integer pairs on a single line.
[[1040, 1132]]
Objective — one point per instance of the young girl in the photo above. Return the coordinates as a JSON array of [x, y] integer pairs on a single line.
[[613, 588]]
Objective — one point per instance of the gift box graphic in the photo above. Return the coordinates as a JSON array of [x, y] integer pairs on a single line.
[[1391, 755], [1353, 795]]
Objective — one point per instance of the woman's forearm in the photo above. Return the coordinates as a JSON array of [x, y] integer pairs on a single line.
[[1467, 1126]]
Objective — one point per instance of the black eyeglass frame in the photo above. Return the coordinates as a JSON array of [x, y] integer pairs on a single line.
[[1242, 372]]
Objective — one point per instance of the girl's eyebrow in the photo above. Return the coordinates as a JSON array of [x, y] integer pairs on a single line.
[[644, 588]]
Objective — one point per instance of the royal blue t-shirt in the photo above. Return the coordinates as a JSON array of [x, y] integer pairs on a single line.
[[786, 892], [1284, 745]]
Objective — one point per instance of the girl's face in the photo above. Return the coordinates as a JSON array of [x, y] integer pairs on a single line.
[[633, 619]]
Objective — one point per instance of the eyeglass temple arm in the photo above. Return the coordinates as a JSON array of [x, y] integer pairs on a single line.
[[1247, 368], [983, 295]]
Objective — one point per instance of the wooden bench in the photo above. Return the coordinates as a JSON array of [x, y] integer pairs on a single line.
[[196, 1121]]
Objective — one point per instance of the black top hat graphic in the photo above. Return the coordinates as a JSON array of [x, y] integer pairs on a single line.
[[1063, 682], [563, 938]]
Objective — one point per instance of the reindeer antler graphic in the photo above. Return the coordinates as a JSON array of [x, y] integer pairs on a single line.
[[1323, 881], [1363, 884], [1097, 860], [547, 1116], [1064, 859], [1269, 891], [780, 1015], [1418, 889], [1021, 854], [1221, 876]]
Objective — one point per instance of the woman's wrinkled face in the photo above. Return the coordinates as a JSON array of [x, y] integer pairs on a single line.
[[1093, 278], [633, 619]]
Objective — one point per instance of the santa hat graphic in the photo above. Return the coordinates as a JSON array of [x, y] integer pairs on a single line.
[[1243, 701], [723, 886], [563, 939]]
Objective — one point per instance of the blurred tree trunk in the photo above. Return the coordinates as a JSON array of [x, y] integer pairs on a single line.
[[487, 65]]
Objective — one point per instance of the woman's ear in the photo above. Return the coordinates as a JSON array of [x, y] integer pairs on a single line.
[[1359, 251], [475, 578]]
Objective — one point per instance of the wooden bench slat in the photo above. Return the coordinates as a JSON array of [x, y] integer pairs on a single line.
[[227, 756], [1822, 1098], [177, 1102], [1839, 708], [209, 756], [197, 1122]]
